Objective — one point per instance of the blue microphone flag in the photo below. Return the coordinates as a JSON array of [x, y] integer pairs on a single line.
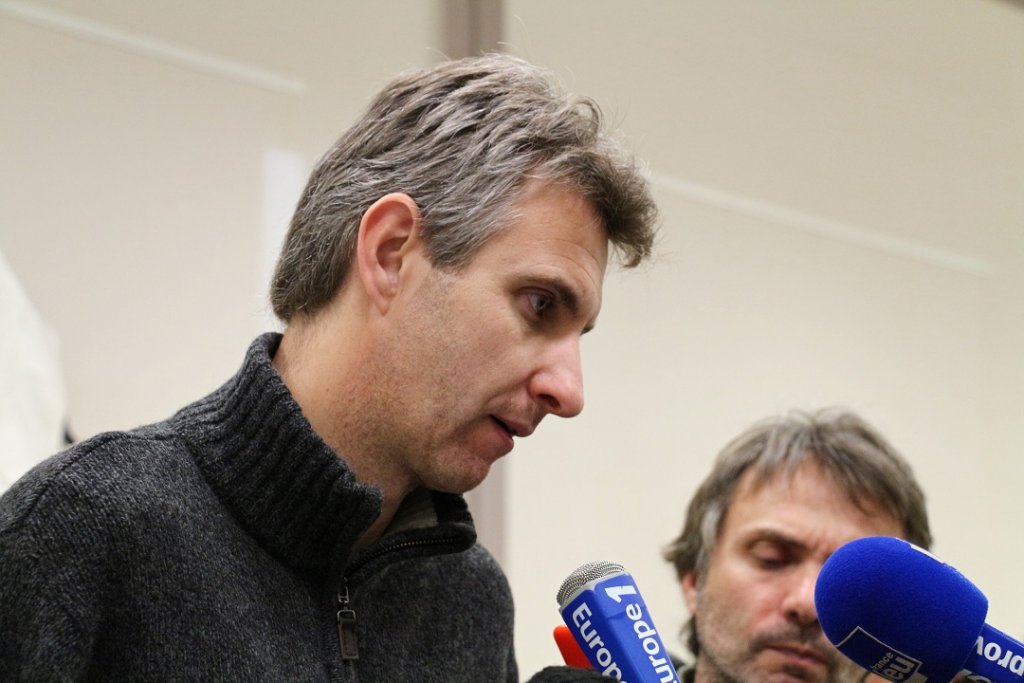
[[603, 608]]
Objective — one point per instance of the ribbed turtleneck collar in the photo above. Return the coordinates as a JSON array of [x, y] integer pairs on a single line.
[[259, 454]]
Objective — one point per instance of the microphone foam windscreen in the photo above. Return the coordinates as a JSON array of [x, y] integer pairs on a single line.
[[879, 595]]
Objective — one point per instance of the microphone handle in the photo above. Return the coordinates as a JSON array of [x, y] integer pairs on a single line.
[[996, 657]]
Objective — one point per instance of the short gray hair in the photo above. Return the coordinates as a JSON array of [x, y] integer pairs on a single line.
[[461, 138], [854, 455]]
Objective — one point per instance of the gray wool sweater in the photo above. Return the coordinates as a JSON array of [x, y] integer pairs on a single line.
[[218, 546]]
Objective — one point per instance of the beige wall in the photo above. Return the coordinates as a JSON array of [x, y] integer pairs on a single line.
[[151, 156], [843, 224]]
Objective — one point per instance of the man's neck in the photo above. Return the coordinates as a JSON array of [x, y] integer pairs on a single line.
[[376, 530], [327, 386]]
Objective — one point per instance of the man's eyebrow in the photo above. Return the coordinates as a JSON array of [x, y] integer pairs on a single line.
[[774, 536]]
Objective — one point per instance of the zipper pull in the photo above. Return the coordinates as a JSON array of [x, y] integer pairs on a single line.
[[347, 638]]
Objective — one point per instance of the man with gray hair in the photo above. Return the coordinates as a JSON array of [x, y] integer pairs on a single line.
[[305, 521], [780, 498]]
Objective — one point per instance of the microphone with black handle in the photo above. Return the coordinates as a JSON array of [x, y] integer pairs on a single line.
[[904, 615]]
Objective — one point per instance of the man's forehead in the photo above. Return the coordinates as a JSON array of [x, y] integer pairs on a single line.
[[804, 485]]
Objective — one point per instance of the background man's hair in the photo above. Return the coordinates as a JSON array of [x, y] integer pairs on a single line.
[[461, 138], [849, 451]]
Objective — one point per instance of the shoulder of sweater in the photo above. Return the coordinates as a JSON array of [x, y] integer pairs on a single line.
[[475, 566], [108, 471], [479, 558]]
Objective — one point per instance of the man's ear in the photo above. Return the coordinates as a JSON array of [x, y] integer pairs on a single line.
[[388, 236], [688, 581]]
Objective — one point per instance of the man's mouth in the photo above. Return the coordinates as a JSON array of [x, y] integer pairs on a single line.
[[803, 654], [515, 427], [504, 425]]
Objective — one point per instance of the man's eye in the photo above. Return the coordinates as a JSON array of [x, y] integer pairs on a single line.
[[539, 302], [768, 556], [769, 562]]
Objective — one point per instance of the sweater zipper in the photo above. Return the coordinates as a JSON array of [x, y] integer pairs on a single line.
[[347, 639]]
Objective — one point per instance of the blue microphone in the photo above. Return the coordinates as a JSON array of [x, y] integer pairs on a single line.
[[899, 612], [608, 618]]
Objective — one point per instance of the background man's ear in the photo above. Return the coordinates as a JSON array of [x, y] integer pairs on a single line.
[[689, 585], [388, 235]]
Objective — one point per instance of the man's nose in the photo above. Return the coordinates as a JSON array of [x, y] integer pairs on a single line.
[[798, 604], [558, 383]]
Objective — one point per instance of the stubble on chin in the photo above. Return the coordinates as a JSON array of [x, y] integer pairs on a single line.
[[728, 663], [749, 672]]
